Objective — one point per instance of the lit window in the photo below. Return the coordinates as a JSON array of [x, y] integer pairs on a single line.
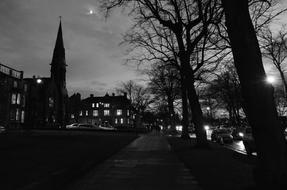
[[106, 105], [22, 116], [87, 113], [51, 102], [97, 105], [93, 105], [116, 121], [72, 116], [128, 121], [81, 113], [15, 84], [122, 120], [128, 112], [17, 114], [18, 99], [106, 112], [95, 113], [119, 112], [13, 98]]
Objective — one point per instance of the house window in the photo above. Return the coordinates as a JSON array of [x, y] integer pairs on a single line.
[[119, 112], [25, 87], [116, 121], [122, 120], [23, 101], [72, 116], [95, 112], [81, 113], [17, 114], [106, 105], [128, 121], [22, 116], [128, 112], [13, 98], [97, 105], [12, 115], [15, 84], [87, 112], [93, 105], [18, 99], [106, 112], [51, 102]]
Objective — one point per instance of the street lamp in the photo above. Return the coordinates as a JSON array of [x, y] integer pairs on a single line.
[[39, 81], [270, 79]]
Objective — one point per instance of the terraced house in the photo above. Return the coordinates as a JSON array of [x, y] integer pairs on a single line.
[[108, 110], [12, 97]]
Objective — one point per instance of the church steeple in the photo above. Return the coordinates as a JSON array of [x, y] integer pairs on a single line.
[[58, 64]]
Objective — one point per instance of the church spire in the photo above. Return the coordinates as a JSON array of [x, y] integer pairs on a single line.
[[59, 50], [58, 64]]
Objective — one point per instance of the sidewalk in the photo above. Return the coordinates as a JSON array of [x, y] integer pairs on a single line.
[[147, 163]]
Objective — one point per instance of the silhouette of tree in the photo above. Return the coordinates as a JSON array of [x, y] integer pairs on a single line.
[[257, 95], [275, 49], [164, 85]]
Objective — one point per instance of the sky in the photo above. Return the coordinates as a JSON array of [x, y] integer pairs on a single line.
[[95, 60]]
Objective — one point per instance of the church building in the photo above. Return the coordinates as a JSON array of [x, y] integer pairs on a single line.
[[48, 96]]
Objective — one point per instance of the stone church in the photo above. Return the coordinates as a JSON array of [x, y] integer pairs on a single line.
[[47, 97]]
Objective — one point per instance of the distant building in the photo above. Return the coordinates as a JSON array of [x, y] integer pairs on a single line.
[[74, 107], [48, 96], [107, 110], [12, 97]]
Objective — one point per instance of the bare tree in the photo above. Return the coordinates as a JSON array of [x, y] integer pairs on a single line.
[[138, 95], [258, 96], [275, 49], [164, 85]]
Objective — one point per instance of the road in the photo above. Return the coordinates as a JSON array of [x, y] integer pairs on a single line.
[[235, 145]]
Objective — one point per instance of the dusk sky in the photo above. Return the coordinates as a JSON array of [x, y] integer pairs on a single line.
[[94, 57]]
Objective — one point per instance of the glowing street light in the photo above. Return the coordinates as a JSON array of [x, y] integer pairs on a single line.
[[39, 81], [270, 79]]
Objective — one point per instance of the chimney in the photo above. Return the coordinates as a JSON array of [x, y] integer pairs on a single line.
[[91, 95], [113, 94], [125, 94]]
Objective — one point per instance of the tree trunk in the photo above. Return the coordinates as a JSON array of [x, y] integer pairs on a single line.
[[171, 112], [196, 112], [258, 96], [185, 121], [284, 82]]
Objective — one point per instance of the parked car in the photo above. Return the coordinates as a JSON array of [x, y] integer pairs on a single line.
[[248, 141], [72, 126], [222, 135], [238, 133], [2, 129]]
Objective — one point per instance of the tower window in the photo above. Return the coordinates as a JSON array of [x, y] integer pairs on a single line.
[[106, 105]]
